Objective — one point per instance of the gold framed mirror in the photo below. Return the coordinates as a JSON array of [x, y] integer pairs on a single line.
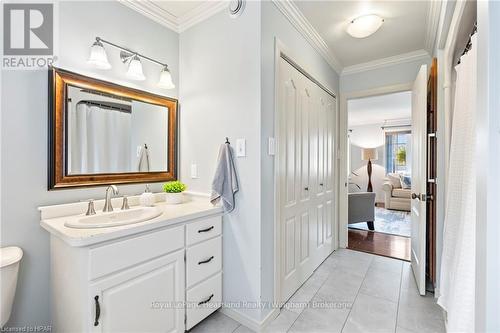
[[102, 133]]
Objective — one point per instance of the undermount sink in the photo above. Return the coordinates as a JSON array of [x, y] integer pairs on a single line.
[[116, 218]]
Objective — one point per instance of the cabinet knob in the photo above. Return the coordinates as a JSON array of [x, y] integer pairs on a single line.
[[306, 188]]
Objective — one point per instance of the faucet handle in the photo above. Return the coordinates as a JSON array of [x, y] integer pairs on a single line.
[[90, 208], [125, 205]]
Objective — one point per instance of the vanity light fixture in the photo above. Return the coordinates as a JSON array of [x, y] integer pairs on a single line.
[[134, 71], [99, 59], [364, 26], [166, 79]]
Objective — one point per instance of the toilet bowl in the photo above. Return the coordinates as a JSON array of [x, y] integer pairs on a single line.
[[9, 266]]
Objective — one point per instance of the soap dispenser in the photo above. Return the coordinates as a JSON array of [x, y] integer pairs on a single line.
[[147, 199]]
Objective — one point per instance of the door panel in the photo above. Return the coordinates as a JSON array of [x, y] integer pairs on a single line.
[[419, 181], [305, 169], [126, 300]]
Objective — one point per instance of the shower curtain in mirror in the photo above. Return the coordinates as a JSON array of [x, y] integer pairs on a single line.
[[458, 258], [100, 140]]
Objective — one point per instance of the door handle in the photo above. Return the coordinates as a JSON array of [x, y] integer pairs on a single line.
[[97, 311], [415, 196], [306, 188], [206, 261]]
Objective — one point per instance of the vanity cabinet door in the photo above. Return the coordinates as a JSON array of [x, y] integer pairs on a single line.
[[145, 298]]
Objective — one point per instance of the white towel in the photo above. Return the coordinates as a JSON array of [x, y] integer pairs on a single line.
[[225, 183], [143, 165]]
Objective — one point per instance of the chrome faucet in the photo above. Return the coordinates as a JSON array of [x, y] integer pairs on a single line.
[[108, 207]]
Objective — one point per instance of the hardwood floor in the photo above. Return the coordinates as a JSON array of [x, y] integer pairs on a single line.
[[379, 243]]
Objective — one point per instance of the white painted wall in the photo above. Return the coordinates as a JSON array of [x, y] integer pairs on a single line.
[[382, 77], [24, 136], [488, 180], [220, 96], [275, 25]]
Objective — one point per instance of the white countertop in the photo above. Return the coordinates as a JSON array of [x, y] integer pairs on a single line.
[[54, 217]]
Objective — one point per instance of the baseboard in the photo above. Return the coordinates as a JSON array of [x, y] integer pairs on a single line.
[[249, 322]]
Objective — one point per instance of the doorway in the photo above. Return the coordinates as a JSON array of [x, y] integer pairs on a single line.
[[379, 174]]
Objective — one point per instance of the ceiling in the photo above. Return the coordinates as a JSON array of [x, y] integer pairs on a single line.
[[405, 28], [378, 109], [178, 8]]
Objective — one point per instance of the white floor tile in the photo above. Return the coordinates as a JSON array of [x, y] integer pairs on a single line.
[[216, 323], [371, 314]]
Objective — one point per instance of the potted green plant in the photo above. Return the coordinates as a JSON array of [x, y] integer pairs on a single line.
[[173, 192], [401, 156]]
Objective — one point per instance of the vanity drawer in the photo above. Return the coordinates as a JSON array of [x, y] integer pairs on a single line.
[[203, 299], [203, 260], [204, 229], [115, 256]]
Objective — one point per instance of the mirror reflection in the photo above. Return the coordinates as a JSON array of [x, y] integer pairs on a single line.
[[112, 134]]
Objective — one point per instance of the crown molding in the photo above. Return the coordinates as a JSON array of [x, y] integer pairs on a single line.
[[432, 23], [300, 22], [389, 61], [178, 24], [200, 13]]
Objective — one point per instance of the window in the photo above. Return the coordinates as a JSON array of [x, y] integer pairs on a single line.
[[398, 152]]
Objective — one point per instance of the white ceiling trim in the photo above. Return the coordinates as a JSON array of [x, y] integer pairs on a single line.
[[432, 25], [389, 61], [300, 22], [178, 24], [200, 13]]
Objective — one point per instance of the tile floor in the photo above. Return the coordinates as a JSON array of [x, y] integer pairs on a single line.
[[364, 293]]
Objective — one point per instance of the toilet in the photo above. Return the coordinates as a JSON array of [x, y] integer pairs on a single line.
[[9, 267]]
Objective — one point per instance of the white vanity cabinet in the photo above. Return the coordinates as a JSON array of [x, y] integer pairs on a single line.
[[161, 280]]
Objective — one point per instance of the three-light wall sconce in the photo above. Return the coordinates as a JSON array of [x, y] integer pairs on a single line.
[[99, 59]]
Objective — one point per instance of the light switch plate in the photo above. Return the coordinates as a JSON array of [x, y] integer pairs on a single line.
[[241, 149], [194, 170], [271, 146]]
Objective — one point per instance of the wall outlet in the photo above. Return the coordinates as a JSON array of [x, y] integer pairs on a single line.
[[241, 149]]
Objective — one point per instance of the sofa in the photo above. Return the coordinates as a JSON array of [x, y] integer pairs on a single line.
[[396, 197], [361, 208]]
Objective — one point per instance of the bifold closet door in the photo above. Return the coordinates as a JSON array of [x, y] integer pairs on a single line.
[[306, 118]]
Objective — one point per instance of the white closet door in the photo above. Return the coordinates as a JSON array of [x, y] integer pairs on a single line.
[[291, 215], [306, 179]]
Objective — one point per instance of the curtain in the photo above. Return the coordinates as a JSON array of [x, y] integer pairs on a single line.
[[101, 140], [458, 258]]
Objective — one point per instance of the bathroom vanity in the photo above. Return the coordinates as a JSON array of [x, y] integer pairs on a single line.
[[159, 275]]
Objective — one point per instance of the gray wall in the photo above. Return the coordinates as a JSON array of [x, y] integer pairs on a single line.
[[24, 136], [275, 25], [220, 96], [382, 77]]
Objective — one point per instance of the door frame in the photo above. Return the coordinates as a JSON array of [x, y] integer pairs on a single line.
[[279, 49], [343, 129]]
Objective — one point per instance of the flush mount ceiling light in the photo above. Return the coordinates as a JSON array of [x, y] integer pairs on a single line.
[[99, 59], [166, 79], [364, 26]]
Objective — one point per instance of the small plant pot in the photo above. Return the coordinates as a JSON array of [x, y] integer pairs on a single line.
[[174, 198]]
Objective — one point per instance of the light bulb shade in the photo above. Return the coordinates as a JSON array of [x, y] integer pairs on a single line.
[[134, 71], [165, 81], [98, 57], [369, 154], [364, 26]]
